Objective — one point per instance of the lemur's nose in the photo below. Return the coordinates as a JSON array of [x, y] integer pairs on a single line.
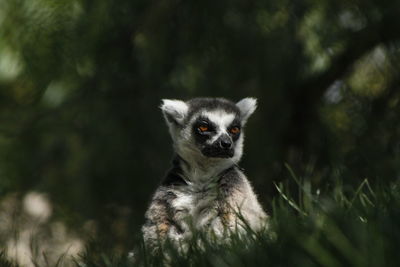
[[225, 143]]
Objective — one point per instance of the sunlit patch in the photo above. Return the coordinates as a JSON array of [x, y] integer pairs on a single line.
[[56, 93], [31, 237], [10, 64], [372, 74], [37, 205]]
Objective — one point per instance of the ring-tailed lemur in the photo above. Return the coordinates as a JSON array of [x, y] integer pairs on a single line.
[[205, 190]]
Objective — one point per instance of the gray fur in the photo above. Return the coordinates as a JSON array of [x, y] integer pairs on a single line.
[[202, 192]]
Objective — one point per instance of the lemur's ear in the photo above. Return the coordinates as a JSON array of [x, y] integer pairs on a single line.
[[246, 106], [174, 111]]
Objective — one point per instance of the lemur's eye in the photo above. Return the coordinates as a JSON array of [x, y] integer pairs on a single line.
[[203, 128], [234, 130]]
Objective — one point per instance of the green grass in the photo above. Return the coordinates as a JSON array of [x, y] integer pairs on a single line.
[[4, 262], [337, 227]]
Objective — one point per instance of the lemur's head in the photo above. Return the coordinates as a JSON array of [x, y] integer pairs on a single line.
[[208, 127]]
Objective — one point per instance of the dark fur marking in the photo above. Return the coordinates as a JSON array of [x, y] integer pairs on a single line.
[[178, 228], [197, 104], [235, 123], [174, 175], [202, 137]]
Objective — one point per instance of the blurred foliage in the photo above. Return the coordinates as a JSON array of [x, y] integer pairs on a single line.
[[81, 82]]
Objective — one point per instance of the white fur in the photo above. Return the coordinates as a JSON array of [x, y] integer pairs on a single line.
[[175, 109], [174, 112], [246, 106], [197, 203], [198, 209], [221, 119], [183, 201]]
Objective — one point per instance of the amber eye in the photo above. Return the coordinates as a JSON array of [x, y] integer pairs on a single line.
[[235, 130], [203, 128]]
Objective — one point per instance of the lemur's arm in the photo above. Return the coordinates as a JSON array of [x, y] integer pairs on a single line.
[[241, 202], [157, 222], [162, 219]]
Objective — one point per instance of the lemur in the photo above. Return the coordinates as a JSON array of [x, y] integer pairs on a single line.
[[205, 189]]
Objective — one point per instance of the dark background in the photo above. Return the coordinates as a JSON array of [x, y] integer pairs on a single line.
[[81, 82]]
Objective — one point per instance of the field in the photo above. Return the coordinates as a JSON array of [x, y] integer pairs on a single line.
[[335, 226]]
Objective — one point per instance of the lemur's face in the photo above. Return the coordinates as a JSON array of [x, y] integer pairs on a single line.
[[208, 127], [216, 132]]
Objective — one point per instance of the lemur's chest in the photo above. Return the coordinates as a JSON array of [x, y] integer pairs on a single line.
[[197, 200]]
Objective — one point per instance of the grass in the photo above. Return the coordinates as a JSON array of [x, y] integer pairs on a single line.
[[338, 227], [4, 262]]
